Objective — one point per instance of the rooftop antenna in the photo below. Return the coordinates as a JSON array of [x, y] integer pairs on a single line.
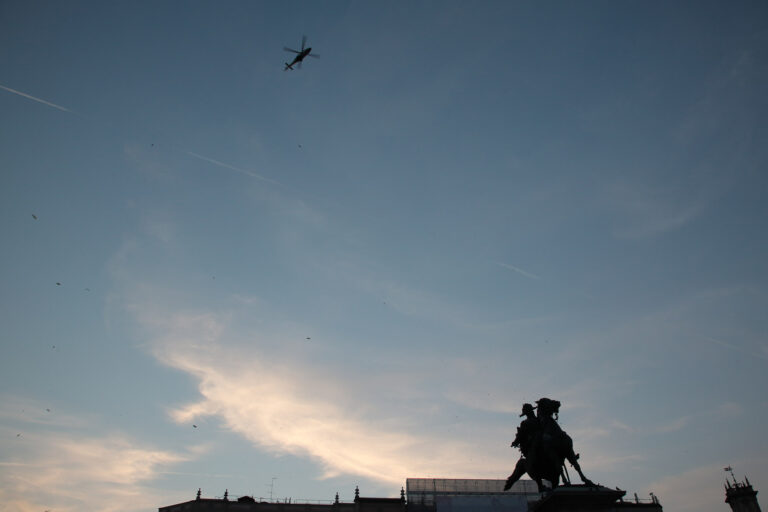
[[729, 469], [272, 487]]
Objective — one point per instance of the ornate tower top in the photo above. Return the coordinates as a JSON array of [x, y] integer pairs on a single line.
[[740, 495]]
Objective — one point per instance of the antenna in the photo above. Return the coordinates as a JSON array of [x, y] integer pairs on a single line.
[[729, 469], [272, 487]]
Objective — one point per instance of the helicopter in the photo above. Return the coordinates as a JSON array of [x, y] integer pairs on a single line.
[[299, 54]]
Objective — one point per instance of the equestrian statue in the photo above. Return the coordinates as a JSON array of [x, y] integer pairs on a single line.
[[544, 446]]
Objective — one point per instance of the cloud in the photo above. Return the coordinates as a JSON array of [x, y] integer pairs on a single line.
[[23, 410], [518, 270], [725, 104], [301, 218], [760, 355], [649, 211], [411, 301], [161, 230], [424, 303], [286, 406], [381, 425], [674, 425], [39, 100], [715, 143], [50, 468], [339, 418], [233, 168]]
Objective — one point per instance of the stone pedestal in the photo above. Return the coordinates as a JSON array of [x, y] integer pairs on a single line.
[[583, 498]]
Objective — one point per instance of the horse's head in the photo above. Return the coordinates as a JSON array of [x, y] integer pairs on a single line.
[[547, 407]]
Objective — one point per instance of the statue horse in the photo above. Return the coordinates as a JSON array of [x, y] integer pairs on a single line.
[[548, 451]]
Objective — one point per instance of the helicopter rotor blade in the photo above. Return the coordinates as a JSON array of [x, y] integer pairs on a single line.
[[316, 56], [303, 42], [289, 50]]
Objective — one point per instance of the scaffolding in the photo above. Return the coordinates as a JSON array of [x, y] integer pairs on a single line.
[[424, 491]]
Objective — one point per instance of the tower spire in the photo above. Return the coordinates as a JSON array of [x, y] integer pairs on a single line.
[[740, 496]]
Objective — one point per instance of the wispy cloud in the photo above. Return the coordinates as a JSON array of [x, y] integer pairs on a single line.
[[647, 211], [737, 348], [518, 270], [39, 100], [24, 410], [721, 412], [47, 468], [674, 425], [295, 408], [232, 168], [423, 303]]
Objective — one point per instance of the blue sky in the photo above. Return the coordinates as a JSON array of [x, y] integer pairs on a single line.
[[357, 272]]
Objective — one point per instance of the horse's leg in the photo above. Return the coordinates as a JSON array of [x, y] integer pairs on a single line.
[[574, 460]]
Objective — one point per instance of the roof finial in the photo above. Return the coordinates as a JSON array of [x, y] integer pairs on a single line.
[[402, 495], [357, 493], [226, 494], [336, 501], [198, 494]]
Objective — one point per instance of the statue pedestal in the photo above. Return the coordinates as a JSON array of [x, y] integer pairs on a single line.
[[583, 498]]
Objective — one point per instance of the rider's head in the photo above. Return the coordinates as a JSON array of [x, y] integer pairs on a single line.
[[527, 409]]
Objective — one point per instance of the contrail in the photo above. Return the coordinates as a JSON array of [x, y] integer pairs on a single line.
[[14, 91], [519, 270], [232, 167]]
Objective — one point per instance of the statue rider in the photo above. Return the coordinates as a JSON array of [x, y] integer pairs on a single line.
[[524, 439], [526, 431]]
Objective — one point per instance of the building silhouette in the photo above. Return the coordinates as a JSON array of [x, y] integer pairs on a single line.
[[741, 496], [250, 504], [448, 495]]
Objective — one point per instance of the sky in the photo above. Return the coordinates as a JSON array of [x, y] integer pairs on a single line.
[[218, 274]]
